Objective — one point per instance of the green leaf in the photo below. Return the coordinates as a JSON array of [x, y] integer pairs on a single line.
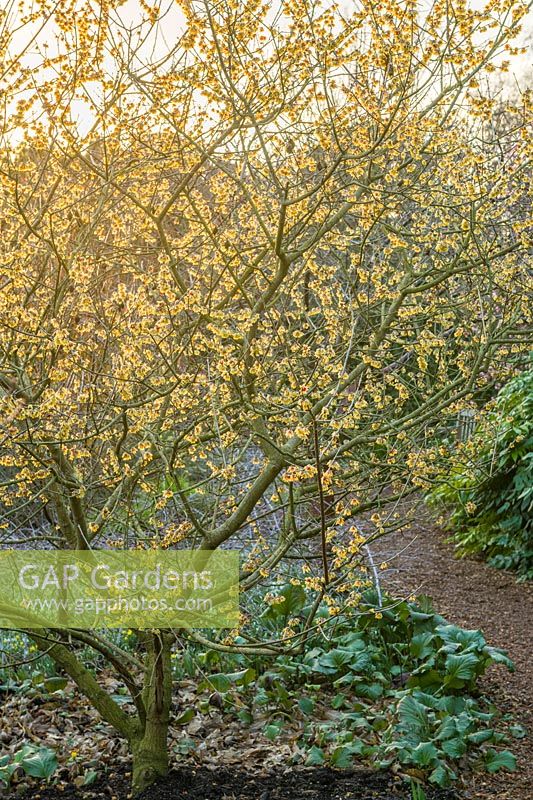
[[417, 793], [422, 645], [294, 599], [42, 764], [338, 701], [380, 722], [315, 757], [441, 776], [218, 681], [453, 634], [261, 697], [495, 761], [189, 666], [424, 754], [464, 723], [454, 748], [242, 678], [453, 705], [187, 716], [336, 659], [370, 690], [412, 714], [358, 747], [342, 757], [500, 657], [89, 777], [6, 770], [429, 700], [460, 667], [518, 731], [272, 731], [306, 705], [447, 729], [25, 752], [479, 737], [426, 680]]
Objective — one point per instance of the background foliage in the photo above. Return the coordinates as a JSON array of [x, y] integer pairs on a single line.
[[489, 489]]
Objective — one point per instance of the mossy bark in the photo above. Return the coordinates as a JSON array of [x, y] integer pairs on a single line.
[[150, 758], [147, 732], [149, 744]]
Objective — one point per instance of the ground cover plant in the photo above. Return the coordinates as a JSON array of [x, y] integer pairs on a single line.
[[246, 271], [395, 689]]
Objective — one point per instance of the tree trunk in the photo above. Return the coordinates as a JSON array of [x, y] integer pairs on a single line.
[[150, 745], [150, 757], [147, 734]]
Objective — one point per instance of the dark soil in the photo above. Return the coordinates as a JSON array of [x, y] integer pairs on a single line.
[[283, 784], [470, 593]]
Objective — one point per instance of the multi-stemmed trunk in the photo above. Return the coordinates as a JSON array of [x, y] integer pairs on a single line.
[[147, 731]]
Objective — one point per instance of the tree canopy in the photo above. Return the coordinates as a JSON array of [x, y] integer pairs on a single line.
[[252, 261]]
